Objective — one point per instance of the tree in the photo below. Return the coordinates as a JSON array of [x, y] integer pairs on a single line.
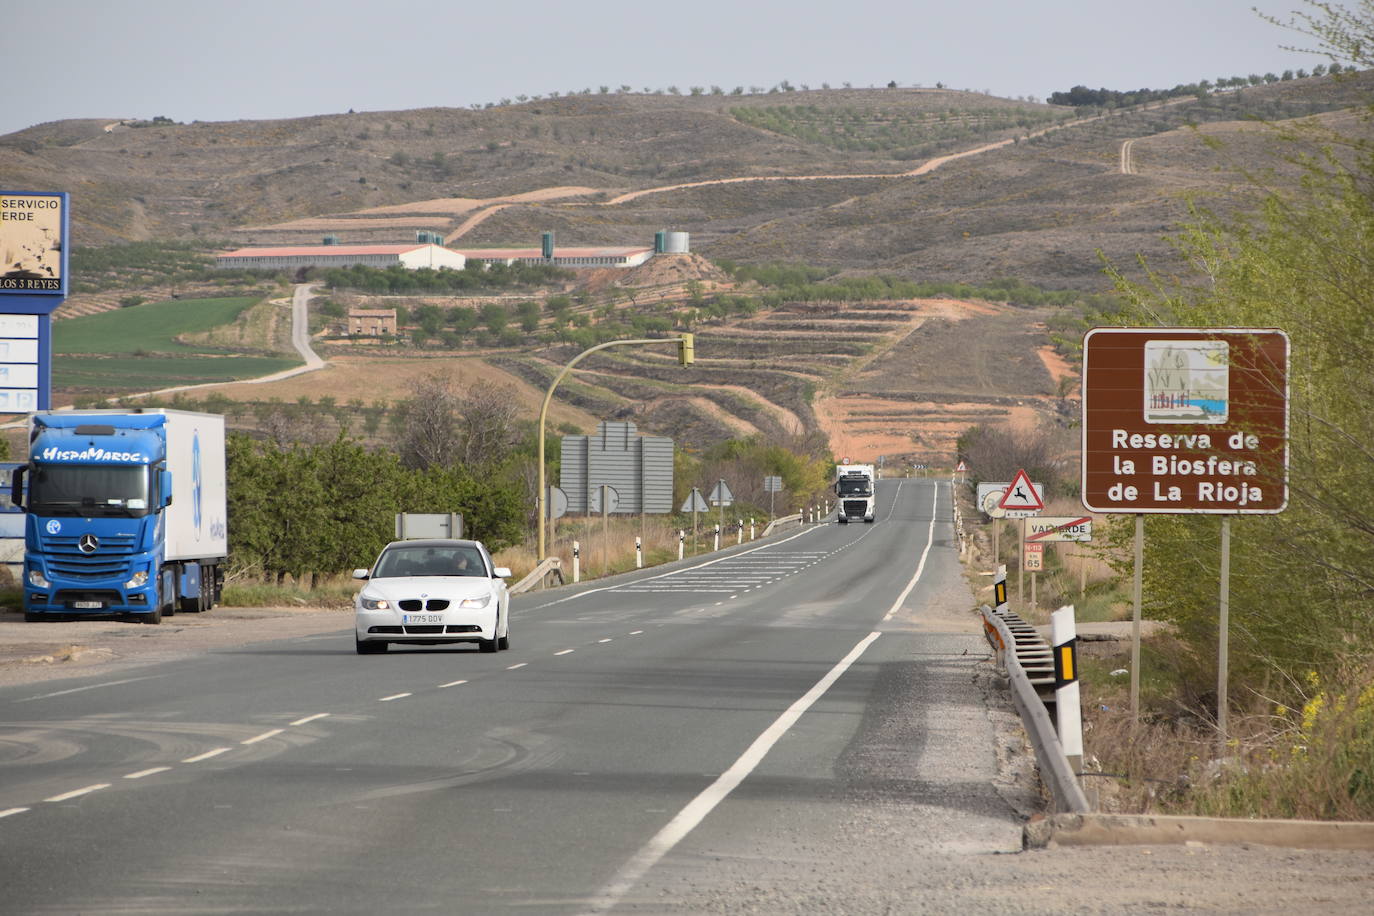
[[487, 418], [1301, 580], [426, 425]]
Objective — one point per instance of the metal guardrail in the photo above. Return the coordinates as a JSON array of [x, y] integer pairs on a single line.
[[780, 523], [1031, 678], [550, 566]]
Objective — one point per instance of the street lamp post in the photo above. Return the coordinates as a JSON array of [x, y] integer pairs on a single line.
[[686, 355]]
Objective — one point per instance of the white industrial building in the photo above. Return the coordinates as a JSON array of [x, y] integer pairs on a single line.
[[561, 257], [411, 257]]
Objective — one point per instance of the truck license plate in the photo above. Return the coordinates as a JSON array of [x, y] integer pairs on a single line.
[[88, 604]]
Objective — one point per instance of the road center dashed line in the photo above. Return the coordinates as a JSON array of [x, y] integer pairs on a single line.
[[565, 651], [452, 684], [207, 755], [77, 793], [395, 696], [8, 811], [263, 737], [318, 715], [148, 772]]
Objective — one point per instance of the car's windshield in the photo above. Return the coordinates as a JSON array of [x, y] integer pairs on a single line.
[[855, 486], [89, 489], [456, 560]]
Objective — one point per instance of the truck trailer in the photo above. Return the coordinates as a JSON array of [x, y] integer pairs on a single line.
[[854, 492], [126, 513]]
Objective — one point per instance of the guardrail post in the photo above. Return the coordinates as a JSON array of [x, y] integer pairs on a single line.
[[639, 553], [681, 542], [715, 544], [1067, 709], [577, 562]]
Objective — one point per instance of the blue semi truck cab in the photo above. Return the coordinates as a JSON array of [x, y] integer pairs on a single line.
[[126, 513]]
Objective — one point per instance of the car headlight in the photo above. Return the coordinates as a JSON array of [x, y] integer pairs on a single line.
[[138, 580], [38, 580], [373, 604], [480, 601]]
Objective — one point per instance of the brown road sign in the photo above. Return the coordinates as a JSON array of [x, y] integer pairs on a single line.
[[1185, 420]]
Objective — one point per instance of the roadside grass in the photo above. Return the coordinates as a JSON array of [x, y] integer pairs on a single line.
[[334, 592]]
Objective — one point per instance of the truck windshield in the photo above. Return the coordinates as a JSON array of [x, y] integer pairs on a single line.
[[89, 489], [855, 486]]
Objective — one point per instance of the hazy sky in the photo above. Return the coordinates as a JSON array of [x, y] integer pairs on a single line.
[[253, 59]]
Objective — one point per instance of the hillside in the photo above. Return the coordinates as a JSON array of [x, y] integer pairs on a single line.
[[926, 184]]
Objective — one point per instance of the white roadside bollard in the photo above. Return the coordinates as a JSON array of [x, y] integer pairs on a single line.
[[1067, 704], [681, 542], [715, 544], [739, 527], [577, 562], [751, 529], [639, 554]]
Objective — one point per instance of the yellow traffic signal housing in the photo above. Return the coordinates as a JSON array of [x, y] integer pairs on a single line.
[[685, 351]]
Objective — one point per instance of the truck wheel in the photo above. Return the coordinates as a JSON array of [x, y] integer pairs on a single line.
[[154, 617], [32, 617]]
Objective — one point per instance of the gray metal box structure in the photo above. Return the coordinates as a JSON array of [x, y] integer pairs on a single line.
[[639, 467]]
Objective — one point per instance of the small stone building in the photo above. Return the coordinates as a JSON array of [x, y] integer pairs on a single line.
[[371, 322]]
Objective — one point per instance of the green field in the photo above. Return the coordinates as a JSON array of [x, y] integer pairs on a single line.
[[136, 348], [150, 328]]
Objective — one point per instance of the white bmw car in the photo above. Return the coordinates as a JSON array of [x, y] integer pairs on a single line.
[[430, 593]]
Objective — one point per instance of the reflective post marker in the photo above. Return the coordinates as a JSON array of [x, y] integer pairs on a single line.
[[639, 553], [999, 589], [681, 538], [1067, 711], [715, 543], [577, 562]]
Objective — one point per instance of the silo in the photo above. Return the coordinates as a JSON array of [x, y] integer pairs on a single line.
[[546, 246], [660, 240], [676, 243]]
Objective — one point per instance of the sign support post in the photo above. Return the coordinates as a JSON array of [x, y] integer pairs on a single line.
[[1137, 589], [1224, 635]]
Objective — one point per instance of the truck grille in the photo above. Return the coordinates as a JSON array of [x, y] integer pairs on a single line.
[[108, 544], [855, 506], [82, 568]]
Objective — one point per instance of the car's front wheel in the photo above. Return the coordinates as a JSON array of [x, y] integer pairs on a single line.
[[372, 647]]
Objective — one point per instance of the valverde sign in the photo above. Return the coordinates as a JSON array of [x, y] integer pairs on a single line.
[[1185, 420]]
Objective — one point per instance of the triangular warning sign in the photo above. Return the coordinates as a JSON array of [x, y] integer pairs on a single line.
[[963, 466], [1021, 496]]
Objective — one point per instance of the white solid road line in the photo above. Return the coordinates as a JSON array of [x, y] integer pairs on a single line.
[[698, 808], [207, 755], [63, 693], [264, 736], [77, 793], [316, 716], [148, 772], [920, 567]]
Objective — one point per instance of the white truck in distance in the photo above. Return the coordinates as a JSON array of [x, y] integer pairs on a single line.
[[854, 492]]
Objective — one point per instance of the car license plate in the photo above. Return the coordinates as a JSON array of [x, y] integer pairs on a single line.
[[422, 618], [88, 604]]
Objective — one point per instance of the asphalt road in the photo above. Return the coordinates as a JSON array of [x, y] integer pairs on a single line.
[[637, 730]]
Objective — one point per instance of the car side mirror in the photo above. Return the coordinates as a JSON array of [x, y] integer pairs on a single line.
[[500, 572], [360, 574]]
